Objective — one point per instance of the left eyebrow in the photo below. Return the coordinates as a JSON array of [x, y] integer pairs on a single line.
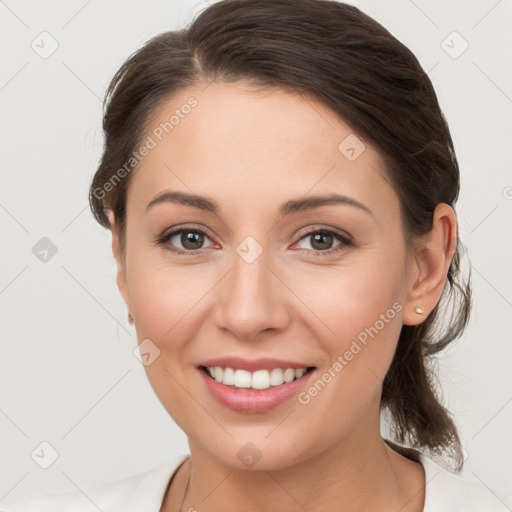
[[312, 202], [289, 207]]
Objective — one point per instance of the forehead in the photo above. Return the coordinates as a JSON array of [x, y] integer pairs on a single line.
[[244, 145]]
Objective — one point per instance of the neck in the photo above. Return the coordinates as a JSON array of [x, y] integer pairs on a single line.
[[359, 474]]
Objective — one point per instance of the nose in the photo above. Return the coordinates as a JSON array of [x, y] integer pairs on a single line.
[[252, 299]]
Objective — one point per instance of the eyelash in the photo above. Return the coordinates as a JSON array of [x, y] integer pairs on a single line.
[[345, 240]]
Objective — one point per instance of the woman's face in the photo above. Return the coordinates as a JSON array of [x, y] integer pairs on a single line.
[[251, 286]]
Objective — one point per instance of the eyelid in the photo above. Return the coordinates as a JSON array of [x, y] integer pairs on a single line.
[[324, 229]]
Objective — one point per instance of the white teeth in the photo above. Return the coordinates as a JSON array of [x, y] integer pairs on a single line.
[[260, 379], [276, 377], [299, 373], [228, 377], [289, 374], [242, 379]]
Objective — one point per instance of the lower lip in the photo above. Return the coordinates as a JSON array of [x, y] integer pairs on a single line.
[[253, 400]]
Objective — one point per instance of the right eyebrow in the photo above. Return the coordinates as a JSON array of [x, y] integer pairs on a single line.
[[168, 196]]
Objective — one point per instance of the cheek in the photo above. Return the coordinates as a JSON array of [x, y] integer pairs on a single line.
[[164, 302], [163, 295], [353, 296], [160, 299], [366, 322], [358, 311]]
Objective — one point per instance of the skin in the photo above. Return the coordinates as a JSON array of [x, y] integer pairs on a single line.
[[250, 151]]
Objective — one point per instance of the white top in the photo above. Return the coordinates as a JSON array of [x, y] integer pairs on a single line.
[[445, 492]]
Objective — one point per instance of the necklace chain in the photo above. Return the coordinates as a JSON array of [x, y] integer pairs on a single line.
[[186, 490]]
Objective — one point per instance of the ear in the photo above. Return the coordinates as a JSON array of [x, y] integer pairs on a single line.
[[430, 263], [121, 270]]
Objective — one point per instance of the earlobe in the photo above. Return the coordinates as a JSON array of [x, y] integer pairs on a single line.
[[121, 272], [431, 263], [122, 286]]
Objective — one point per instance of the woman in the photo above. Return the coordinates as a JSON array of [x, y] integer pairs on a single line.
[[280, 185]]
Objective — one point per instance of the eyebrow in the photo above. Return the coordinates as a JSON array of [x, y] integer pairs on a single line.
[[287, 208]]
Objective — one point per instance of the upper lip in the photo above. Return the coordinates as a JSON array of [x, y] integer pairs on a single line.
[[251, 365]]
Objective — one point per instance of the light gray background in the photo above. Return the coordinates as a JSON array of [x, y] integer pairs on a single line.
[[68, 374]]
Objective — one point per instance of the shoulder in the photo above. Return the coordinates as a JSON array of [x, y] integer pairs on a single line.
[[447, 491], [138, 493]]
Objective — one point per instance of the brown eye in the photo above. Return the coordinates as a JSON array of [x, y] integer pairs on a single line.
[[183, 240], [191, 240], [321, 241]]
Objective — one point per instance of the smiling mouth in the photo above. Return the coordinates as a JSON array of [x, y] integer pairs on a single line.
[[257, 380]]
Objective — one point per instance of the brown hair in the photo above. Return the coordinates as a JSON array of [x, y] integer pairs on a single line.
[[348, 61]]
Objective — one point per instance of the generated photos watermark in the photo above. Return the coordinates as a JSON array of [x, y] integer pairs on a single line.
[[344, 359]]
